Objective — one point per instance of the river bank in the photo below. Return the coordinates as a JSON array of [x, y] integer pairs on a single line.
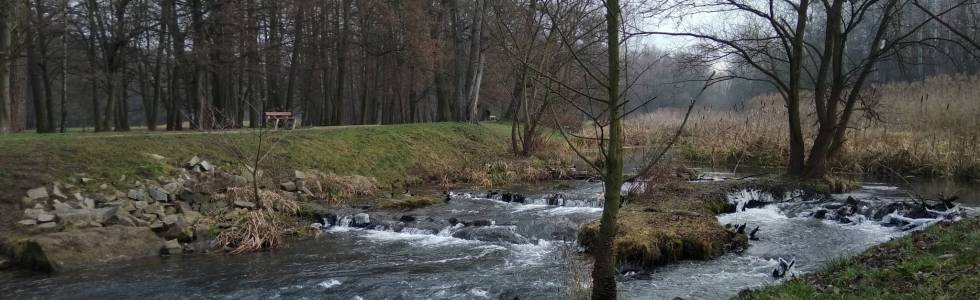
[[64, 188], [494, 227], [513, 241], [940, 262]]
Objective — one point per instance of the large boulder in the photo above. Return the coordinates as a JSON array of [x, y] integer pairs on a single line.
[[64, 250]]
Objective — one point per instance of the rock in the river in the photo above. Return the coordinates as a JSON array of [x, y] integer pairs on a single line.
[[37, 193], [362, 220], [63, 250], [173, 247], [479, 223], [491, 234], [27, 222], [919, 212], [406, 219]]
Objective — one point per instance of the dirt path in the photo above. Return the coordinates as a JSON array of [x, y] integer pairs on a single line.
[[194, 132]]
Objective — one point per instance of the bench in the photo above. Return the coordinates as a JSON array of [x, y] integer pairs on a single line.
[[275, 117]]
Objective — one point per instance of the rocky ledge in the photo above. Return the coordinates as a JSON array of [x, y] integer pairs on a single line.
[[88, 221], [60, 250]]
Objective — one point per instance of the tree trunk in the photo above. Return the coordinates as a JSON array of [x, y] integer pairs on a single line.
[[5, 57], [340, 105], [294, 60], [797, 149], [35, 74], [475, 91], [475, 68], [459, 62], [604, 272], [197, 90]]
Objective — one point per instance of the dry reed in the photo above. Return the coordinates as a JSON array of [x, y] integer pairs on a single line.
[[927, 128]]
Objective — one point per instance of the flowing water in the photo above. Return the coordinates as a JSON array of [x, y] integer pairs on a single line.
[[479, 247]]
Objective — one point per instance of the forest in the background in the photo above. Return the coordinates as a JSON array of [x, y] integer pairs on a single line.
[[180, 64]]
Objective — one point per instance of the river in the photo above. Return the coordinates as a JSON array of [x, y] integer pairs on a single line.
[[518, 250]]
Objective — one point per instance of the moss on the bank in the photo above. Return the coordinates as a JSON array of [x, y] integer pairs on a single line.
[[673, 220], [941, 262], [411, 202], [648, 239]]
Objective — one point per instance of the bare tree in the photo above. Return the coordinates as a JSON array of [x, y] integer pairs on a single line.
[[784, 52]]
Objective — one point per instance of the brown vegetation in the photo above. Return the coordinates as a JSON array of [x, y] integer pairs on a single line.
[[672, 220], [924, 128]]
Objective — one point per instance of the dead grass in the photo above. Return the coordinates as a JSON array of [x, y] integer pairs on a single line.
[[927, 128], [256, 230], [648, 239], [673, 220], [332, 186]]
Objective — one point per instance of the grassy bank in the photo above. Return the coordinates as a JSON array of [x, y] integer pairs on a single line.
[[927, 128], [941, 262], [395, 155]]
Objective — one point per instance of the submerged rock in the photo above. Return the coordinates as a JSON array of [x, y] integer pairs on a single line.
[[362, 220], [491, 234], [173, 247], [63, 250]]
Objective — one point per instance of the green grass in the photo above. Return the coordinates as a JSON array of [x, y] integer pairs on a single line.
[[942, 262], [384, 152], [394, 154]]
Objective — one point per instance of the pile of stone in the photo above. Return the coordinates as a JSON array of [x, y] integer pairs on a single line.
[[165, 205], [180, 214]]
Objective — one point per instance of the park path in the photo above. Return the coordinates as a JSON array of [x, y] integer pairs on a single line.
[[195, 132]]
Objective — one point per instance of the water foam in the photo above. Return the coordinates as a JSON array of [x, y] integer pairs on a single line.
[[419, 237], [328, 283], [567, 210]]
